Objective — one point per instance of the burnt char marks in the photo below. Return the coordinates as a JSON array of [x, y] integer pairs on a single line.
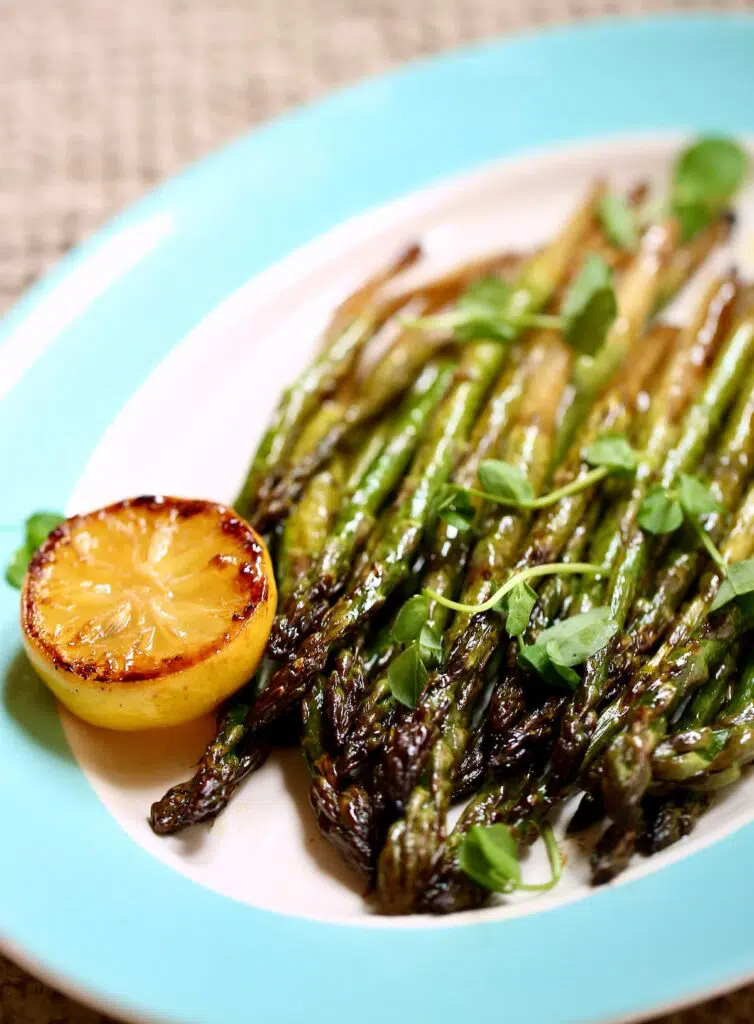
[[249, 564]]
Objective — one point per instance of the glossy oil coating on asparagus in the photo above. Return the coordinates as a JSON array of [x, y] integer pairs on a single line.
[[515, 558]]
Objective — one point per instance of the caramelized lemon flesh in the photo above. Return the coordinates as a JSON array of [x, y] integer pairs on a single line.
[[149, 612]]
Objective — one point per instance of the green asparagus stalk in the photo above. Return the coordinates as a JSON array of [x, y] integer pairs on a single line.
[[401, 869], [590, 376], [512, 733], [704, 705], [377, 389], [665, 819], [668, 820], [699, 423], [225, 763], [347, 815], [656, 436], [638, 294], [737, 547], [681, 565], [305, 532], [230, 756], [451, 425], [470, 648], [613, 852], [698, 748], [310, 600], [692, 353], [401, 534], [441, 721], [366, 445], [448, 888], [688, 257], [446, 562], [739, 708], [627, 763], [507, 723], [353, 325]]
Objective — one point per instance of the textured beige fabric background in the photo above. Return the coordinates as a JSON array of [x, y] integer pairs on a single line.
[[99, 99]]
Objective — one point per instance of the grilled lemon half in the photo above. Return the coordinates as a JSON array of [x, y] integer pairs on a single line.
[[149, 612]]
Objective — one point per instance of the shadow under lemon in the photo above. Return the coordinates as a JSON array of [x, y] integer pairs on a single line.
[[32, 708], [147, 763]]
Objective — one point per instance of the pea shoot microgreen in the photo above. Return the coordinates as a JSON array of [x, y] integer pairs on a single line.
[[38, 528]]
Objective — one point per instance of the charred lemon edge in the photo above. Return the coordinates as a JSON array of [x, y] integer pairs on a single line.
[[181, 687]]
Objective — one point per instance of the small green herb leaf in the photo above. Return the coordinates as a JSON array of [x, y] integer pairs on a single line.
[[696, 498], [487, 295], [430, 646], [590, 306], [519, 604], [557, 660], [38, 528], [454, 507], [738, 582], [660, 512], [692, 219], [481, 311], [411, 619], [502, 480], [619, 221], [16, 570], [536, 659], [614, 452], [570, 642], [582, 635], [407, 675], [489, 856], [705, 177]]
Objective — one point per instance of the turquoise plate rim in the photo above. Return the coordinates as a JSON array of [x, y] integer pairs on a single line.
[[90, 909]]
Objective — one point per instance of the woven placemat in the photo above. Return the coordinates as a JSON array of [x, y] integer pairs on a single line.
[[103, 98]]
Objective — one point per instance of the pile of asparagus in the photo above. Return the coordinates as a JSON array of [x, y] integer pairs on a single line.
[[515, 558]]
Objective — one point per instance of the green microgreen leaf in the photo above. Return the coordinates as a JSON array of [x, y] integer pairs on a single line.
[[614, 452], [696, 499], [518, 606], [739, 582], [582, 635], [660, 511], [503, 480], [590, 306], [489, 856], [563, 671], [411, 619], [619, 221], [16, 569], [705, 177], [487, 295], [430, 646], [407, 675], [481, 311], [38, 528], [536, 658], [570, 642], [692, 219], [454, 507]]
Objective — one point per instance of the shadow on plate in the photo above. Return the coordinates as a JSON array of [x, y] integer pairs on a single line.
[[327, 860], [134, 760], [33, 708]]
